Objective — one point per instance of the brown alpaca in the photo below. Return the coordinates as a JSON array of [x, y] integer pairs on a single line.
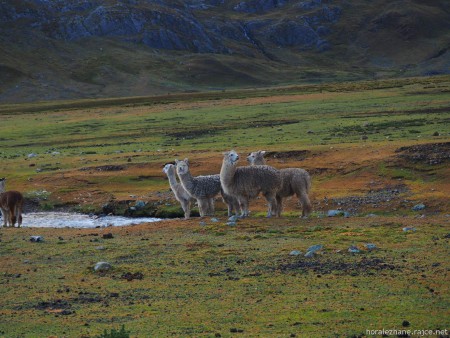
[[11, 204], [295, 181]]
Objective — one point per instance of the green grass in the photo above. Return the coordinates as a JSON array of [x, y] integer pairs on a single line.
[[112, 135], [196, 283], [203, 280]]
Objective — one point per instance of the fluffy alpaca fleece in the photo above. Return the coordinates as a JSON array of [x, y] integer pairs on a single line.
[[245, 183], [231, 202], [202, 188], [180, 193], [11, 204], [295, 181]]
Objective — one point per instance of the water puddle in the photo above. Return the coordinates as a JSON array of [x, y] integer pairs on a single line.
[[74, 220]]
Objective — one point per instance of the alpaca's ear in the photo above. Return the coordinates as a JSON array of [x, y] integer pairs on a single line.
[[186, 160], [176, 161], [263, 152]]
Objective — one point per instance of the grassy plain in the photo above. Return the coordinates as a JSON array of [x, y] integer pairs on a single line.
[[372, 147]]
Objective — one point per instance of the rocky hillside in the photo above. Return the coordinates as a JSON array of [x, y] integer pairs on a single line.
[[81, 49]]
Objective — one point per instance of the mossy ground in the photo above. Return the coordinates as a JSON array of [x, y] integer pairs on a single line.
[[205, 279], [372, 148]]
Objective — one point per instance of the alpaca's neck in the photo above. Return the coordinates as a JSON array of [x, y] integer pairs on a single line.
[[259, 161], [227, 173], [172, 179], [187, 181]]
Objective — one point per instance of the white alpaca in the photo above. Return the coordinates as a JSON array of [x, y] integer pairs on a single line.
[[245, 183], [202, 188], [180, 193], [295, 181]]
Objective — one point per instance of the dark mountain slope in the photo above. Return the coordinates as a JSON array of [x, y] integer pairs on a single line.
[[81, 49]]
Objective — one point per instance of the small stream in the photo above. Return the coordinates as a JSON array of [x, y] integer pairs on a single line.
[[75, 220]]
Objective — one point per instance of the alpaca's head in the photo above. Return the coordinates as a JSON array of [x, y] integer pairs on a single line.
[[2, 184], [231, 157], [169, 167], [182, 166], [256, 157]]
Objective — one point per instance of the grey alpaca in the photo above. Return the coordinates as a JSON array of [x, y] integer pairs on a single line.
[[202, 188], [245, 183], [180, 193], [295, 181]]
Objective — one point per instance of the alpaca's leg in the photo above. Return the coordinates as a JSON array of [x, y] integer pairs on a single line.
[[202, 206], [4, 216], [272, 201], [19, 214], [243, 205], [279, 205], [211, 206], [230, 208], [11, 217], [305, 202], [7, 218], [236, 206], [185, 207]]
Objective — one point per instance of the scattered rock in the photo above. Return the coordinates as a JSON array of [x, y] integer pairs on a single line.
[[202, 223], [405, 229], [334, 213], [315, 248], [32, 155], [214, 220], [139, 205], [36, 239], [102, 267], [430, 153], [108, 236], [235, 330], [312, 250], [405, 323], [295, 253], [231, 224], [100, 248], [370, 246], [418, 207], [233, 218], [353, 249]]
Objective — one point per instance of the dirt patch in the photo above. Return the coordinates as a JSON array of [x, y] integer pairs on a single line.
[[297, 155], [57, 306], [431, 154], [87, 298], [347, 266], [129, 276], [192, 134], [104, 168], [374, 199]]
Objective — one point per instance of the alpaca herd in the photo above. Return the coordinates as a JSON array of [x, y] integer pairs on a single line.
[[239, 185]]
